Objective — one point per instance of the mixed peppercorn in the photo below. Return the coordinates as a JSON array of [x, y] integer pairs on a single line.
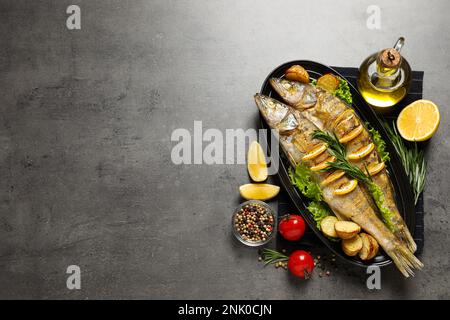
[[254, 223]]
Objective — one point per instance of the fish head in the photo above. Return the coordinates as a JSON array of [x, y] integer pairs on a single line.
[[272, 110], [288, 123], [293, 153], [299, 95]]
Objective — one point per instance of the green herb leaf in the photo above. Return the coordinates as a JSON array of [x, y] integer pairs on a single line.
[[378, 197], [413, 160], [319, 211], [343, 91], [379, 143], [303, 180], [337, 149], [270, 256]]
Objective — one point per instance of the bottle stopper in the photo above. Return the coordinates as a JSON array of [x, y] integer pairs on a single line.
[[390, 58]]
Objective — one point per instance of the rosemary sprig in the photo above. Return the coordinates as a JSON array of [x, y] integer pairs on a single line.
[[337, 150], [413, 160], [270, 256], [335, 147]]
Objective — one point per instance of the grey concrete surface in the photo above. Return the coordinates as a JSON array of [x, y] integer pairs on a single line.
[[86, 176]]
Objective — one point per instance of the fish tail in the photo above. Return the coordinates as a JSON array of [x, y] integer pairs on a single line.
[[405, 236], [396, 224], [405, 260], [398, 227]]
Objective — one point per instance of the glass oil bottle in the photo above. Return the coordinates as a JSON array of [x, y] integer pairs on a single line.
[[384, 78]]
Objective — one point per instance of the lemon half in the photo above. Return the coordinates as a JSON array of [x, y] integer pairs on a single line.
[[418, 121]]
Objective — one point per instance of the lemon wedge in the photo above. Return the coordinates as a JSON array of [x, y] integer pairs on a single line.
[[324, 164], [346, 188], [419, 120], [258, 191], [315, 152], [362, 152], [256, 162], [352, 134], [375, 168], [333, 177]]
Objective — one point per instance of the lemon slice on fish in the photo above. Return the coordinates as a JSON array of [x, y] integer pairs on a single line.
[[333, 177], [258, 191], [256, 162], [315, 152], [419, 120], [352, 134], [324, 164], [362, 152], [347, 113], [346, 188], [375, 168]]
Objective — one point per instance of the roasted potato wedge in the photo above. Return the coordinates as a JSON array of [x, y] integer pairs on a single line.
[[353, 246], [297, 73], [346, 229], [328, 82], [370, 246], [327, 226]]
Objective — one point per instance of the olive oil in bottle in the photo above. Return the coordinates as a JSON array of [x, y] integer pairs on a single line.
[[384, 78]]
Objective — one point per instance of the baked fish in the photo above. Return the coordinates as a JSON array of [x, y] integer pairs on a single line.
[[331, 114], [299, 145]]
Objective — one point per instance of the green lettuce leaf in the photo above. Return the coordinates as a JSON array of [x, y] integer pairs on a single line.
[[378, 197], [343, 91], [302, 178], [319, 211], [379, 143]]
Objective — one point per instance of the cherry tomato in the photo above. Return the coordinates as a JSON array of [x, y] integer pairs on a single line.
[[292, 227], [301, 264]]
